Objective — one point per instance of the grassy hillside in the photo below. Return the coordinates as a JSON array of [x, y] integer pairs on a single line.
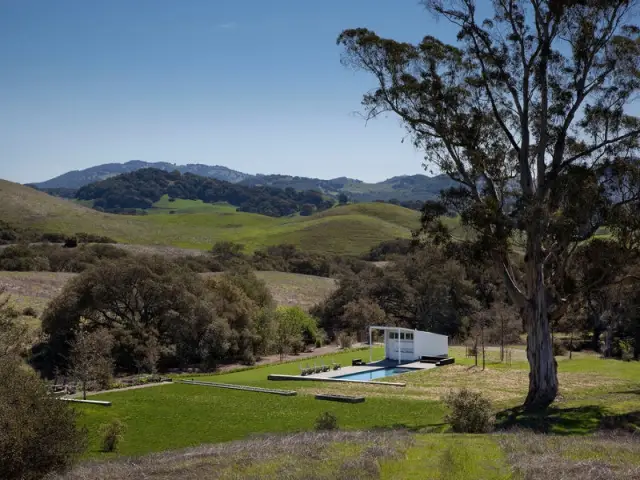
[[352, 229]]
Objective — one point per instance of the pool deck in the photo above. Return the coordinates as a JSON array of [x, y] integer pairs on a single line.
[[369, 367]]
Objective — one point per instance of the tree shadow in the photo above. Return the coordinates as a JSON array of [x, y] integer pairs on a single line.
[[568, 421], [629, 392], [424, 428]]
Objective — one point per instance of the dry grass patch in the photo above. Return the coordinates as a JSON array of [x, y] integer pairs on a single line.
[[599, 457], [43, 285], [292, 289], [498, 385], [325, 455]]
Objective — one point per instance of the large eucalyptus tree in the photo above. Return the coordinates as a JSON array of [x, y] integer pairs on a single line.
[[530, 111]]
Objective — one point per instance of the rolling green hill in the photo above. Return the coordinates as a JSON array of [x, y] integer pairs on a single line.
[[351, 229]]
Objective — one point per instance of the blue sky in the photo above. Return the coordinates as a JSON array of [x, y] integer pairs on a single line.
[[255, 85]]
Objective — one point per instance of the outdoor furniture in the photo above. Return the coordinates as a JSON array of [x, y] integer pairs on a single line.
[[336, 366], [356, 362]]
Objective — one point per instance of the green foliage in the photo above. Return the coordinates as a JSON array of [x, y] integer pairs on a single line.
[[386, 249], [142, 188], [14, 334], [54, 258], [39, 433], [424, 290], [469, 412], [112, 433], [360, 314], [294, 329], [345, 340], [326, 421]]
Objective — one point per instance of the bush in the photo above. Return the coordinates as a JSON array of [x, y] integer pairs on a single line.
[[83, 237], [112, 435], [326, 421], [71, 242], [38, 433], [559, 350], [29, 312], [470, 412], [345, 340]]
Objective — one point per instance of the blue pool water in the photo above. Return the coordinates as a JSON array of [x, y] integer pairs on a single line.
[[373, 374]]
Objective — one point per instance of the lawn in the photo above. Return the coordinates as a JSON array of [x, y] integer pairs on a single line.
[[180, 415]]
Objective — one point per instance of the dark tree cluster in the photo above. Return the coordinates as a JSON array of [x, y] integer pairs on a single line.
[[142, 188], [159, 315], [55, 258], [425, 289]]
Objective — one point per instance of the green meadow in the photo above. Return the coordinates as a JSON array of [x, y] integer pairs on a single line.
[[179, 415]]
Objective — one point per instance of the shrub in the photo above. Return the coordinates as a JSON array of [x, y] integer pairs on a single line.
[[71, 242], [326, 421], [30, 312], [112, 435], [345, 340], [38, 433], [83, 237], [470, 412], [559, 349]]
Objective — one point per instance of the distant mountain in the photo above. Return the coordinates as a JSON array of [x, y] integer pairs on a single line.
[[79, 178], [402, 188]]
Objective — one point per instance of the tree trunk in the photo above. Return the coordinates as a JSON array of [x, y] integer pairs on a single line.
[[636, 342], [543, 378], [483, 358], [502, 328]]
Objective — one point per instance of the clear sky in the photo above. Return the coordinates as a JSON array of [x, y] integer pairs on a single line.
[[255, 85]]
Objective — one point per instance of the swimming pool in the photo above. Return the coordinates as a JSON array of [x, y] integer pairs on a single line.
[[373, 374]]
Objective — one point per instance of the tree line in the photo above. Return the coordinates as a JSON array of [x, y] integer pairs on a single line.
[[142, 188], [155, 315]]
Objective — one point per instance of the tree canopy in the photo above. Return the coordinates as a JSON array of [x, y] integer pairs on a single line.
[[142, 188], [528, 113]]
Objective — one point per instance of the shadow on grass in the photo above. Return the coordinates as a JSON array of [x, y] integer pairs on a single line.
[[568, 421], [629, 392], [426, 428]]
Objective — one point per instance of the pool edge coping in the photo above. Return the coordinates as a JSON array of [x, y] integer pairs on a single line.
[[276, 377]]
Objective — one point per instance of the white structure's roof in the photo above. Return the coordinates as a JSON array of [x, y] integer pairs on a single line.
[[402, 329]]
